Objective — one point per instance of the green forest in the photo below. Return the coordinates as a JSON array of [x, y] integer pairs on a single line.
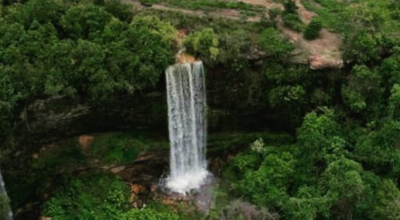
[[303, 108]]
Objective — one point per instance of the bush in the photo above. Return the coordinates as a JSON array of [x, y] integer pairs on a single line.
[[273, 44], [148, 214], [204, 44], [290, 7], [95, 197], [312, 30], [4, 205], [293, 22]]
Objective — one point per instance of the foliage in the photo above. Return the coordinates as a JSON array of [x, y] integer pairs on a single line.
[[260, 182], [273, 44], [342, 163], [90, 197], [4, 205], [118, 10], [307, 204], [292, 21], [286, 94], [316, 134], [209, 5], [204, 44], [363, 48], [77, 50], [363, 82], [290, 6], [387, 201], [312, 30], [148, 214]]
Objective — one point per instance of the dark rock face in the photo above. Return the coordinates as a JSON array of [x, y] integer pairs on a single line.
[[235, 101], [59, 117]]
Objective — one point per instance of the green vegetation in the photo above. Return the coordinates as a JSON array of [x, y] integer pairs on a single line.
[[90, 197], [312, 30], [332, 149], [98, 197], [203, 44], [208, 5], [57, 48], [291, 17], [4, 205]]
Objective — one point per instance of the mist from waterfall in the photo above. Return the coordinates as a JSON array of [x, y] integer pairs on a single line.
[[187, 126], [3, 193]]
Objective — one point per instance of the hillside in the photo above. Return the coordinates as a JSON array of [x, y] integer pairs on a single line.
[[300, 109]]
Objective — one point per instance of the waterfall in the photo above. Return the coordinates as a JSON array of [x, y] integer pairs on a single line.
[[4, 206], [187, 126]]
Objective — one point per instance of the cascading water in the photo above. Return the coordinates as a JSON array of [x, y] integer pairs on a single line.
[[187, 126], [7, 215]]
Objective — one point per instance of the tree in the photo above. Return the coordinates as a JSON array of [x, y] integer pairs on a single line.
[[290, 6], [267, 185], [363, 88], [204, 44], [316, 135], [312, 30], [394, 100], [362, 47], [84, 21], [307, 204], [386, 202], [343, 185], [273, 44], [148, 214]]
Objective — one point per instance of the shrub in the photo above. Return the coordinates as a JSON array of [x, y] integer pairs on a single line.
[[312, 30], [273, 44], [95, 197], [148, 214], [204, 44], [293, 22], [290, 7], [4, 205]]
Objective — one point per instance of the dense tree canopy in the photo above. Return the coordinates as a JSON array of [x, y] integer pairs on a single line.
[[342, 157]]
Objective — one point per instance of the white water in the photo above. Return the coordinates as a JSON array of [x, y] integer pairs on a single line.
[[187, 126], [3, 192]]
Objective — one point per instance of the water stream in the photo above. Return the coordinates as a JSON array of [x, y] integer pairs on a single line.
[[5, 209], [187, 126]]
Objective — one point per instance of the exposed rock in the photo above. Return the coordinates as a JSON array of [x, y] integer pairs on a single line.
[[137, 188], [182, 57], [85, 141], [320, 62], [254, 54], [117, 169], [153, 188]]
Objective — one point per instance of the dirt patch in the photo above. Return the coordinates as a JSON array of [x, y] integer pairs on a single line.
[[305, 15], [268, 4]]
